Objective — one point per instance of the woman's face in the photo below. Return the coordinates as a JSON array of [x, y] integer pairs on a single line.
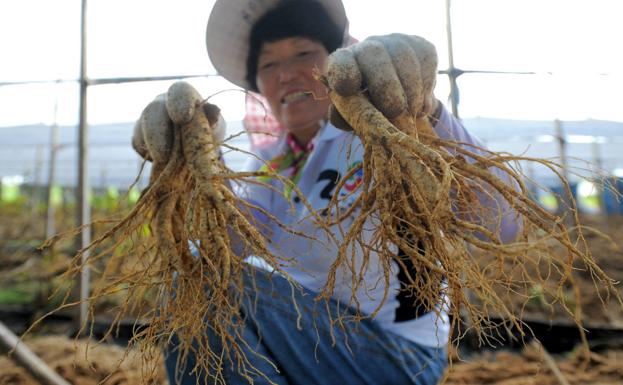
[[285, 77]]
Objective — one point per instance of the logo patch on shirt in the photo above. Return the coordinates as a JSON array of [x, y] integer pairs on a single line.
[[347, 195], [354, 180]]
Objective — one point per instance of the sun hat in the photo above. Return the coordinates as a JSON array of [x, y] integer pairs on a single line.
[[229, 29]]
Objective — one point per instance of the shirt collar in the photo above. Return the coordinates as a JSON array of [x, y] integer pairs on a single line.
[[327, 133], [296, 148]]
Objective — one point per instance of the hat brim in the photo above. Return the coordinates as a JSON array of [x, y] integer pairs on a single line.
[[229, 29]]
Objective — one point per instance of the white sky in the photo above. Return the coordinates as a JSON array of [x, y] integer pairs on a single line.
[[572, 44]]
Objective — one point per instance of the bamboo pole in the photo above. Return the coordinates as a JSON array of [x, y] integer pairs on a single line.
[[28, 360], [550, 362]]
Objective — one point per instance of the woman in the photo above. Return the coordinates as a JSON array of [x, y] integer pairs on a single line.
[[275, 48]]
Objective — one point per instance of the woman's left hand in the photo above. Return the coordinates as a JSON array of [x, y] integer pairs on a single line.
[[397, 73]]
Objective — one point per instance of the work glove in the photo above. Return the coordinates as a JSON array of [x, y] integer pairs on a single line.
[[153, 131], [396, 72]]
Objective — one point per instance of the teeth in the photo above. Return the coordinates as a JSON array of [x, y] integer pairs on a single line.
[[295, 96]]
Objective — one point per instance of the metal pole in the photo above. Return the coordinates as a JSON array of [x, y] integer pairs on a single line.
[[562, 148], [36, 181], [103, 176], [598, 166], [596, 153], [84, 209], [453, 73], [531, 179], [117, 80], [38, 166], [50, 223]]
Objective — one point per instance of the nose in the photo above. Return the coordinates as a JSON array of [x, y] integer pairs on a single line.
[[287, 72]]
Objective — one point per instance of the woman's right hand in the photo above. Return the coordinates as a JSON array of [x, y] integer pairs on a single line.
[[153, 131]]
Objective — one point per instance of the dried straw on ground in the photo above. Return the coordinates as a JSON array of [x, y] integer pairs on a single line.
[[530, 367], [84, 362]]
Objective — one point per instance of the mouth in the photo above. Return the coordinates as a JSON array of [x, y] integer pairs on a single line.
[[295, 97]]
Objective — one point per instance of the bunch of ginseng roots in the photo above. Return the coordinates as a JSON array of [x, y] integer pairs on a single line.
[[433, 205], [178, 245]]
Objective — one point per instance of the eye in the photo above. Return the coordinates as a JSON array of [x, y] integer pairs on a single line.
[[304, 54], [267, 65]]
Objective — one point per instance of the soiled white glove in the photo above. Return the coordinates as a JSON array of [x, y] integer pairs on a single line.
[[397, 72], [153, 131]]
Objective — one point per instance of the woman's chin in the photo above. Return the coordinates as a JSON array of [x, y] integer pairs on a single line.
[[303, 129], [303, 118]]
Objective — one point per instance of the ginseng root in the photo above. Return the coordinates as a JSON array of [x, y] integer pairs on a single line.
[[433, 204], [179, 244]]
